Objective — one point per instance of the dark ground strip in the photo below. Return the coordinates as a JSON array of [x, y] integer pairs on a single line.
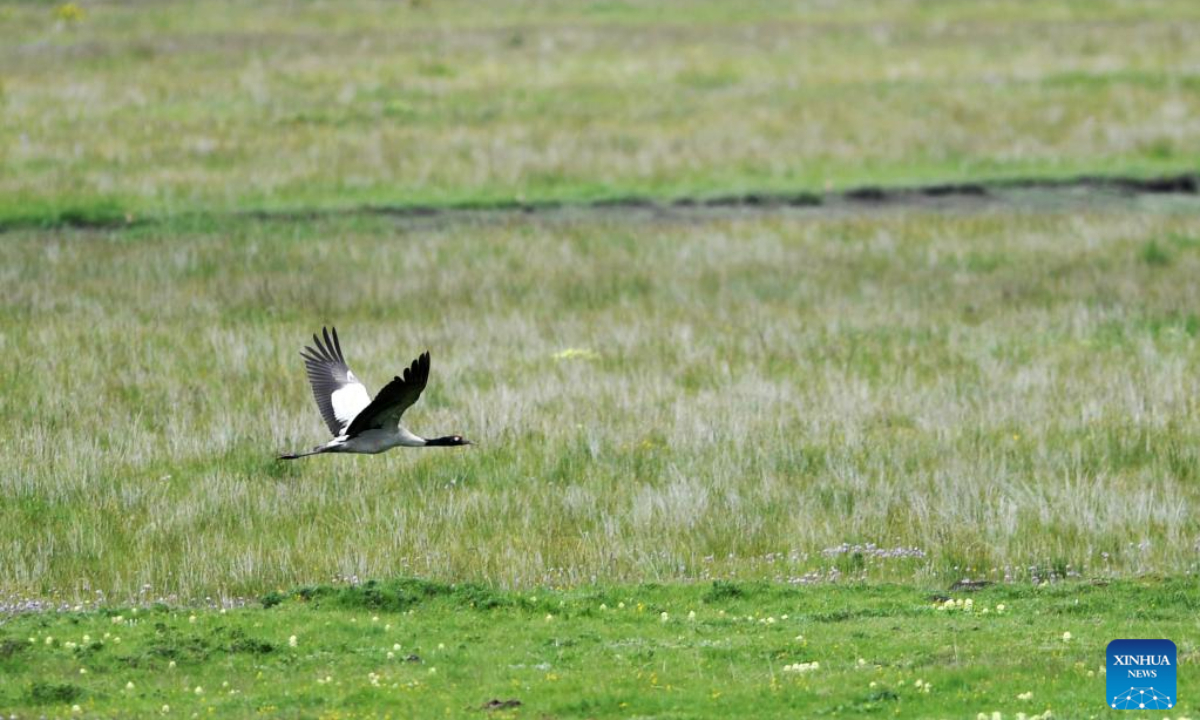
[[1187, 184], [941, 196]]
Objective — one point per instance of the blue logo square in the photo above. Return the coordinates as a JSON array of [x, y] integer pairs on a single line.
[[1141, 675]]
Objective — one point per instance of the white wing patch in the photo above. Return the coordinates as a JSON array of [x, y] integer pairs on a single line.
[[349, 401]]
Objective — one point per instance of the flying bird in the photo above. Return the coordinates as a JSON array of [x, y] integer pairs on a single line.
[[358, 423]]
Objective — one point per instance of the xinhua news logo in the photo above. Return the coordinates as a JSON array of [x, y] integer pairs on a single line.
[[1141, 675]]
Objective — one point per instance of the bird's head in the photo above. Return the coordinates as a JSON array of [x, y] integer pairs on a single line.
[[448, 441]]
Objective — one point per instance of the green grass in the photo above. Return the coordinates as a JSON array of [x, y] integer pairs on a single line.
[[417, 649], [170, 107], [1012, 392], [822, 415]]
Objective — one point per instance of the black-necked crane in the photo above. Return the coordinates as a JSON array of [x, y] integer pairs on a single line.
[[358, 423]]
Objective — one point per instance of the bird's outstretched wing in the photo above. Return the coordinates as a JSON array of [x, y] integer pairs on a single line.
[[339, 395], [396, 397]]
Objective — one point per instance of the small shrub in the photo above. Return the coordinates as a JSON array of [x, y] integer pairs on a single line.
[[1155, 255], [242, 643], [48, 693], [479, 597], [723, 590]]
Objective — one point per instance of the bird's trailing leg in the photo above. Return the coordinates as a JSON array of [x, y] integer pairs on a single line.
[[331, 447]]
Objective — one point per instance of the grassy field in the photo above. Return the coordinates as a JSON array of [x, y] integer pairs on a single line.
[[1010, 393], [801, 423], [137, 108], [727, 650]]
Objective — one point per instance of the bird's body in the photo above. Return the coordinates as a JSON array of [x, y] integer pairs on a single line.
[[369, 442], [358, 423]]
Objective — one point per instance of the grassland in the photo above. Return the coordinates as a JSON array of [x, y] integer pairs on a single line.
[[712, 395], [413, 649], [160, 108], [799, 423]]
